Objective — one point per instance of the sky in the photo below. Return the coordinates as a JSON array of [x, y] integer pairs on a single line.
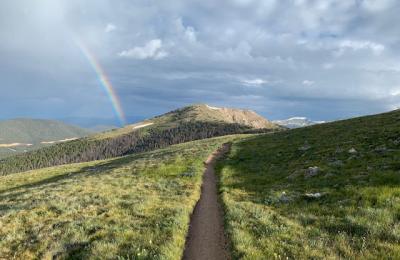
[[322, 59]]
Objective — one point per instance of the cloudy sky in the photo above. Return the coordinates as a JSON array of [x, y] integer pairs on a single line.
[[324, 59]]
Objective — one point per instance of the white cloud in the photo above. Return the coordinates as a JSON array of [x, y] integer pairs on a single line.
[[377, 5], [188, 32], [152, 50], [328, 66], [308, 82], [376, 48], [110, 27], [253, 82]]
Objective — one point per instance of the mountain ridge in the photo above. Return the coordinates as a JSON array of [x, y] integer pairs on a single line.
[[181, 125], [25, 134], [297, 122]]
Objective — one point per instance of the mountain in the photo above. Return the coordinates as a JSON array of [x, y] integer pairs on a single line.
[[20, 135], [296, 122], [199, 113], [328, 191], [204, 112], [182, 125]]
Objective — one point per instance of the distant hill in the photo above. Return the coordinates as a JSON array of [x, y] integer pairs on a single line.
[[296, 122], [102, 128], [182, 125], [199, 113], [20, 135]]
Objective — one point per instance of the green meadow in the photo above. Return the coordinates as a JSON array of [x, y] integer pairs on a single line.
[[133, 207], [346, 207]]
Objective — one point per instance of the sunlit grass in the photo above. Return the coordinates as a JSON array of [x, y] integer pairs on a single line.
[[357, 216], [135, 207]]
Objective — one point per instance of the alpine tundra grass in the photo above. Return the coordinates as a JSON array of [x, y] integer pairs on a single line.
[[134, 207], [330, 191]]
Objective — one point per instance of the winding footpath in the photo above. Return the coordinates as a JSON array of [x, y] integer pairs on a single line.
[[206, 239]]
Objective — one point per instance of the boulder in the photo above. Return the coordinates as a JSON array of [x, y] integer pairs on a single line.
[[381, 149], [312, 171], [313, 196], [353, 151]]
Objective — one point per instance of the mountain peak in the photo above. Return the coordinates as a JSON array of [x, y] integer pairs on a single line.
[[296, 122], [207, 113]]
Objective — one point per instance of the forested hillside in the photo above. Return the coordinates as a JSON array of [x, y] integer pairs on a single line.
[[89, 149], [21, 135], [185, 124]]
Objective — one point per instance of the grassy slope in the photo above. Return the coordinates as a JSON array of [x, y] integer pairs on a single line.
[[34, 131], [193, 113], [134, 207], [358, 216]]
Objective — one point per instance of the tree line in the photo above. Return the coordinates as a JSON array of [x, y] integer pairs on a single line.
[[87, 149]]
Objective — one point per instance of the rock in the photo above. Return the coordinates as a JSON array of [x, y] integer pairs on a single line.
[[313, 195], [381, 149], [312, 171], [284, 198], [188, 174], [353, 151]]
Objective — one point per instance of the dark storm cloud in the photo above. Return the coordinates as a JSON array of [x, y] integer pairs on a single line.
[[323, 59]]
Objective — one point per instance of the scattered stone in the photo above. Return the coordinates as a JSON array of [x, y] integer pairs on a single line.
[[313, 195], [188, 174], [353, 151], [284, 198], [381, 149], [312, 171]]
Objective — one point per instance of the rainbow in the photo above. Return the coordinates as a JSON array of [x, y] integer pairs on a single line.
[[104, 81]]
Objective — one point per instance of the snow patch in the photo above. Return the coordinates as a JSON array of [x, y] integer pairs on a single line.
[[14, 145], [297, 118], [213, 108], [59, 141]]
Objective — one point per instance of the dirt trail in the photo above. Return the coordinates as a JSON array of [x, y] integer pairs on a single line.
[[206, 238]]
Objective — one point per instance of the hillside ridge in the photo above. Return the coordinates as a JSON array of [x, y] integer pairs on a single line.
[[23, 134]]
